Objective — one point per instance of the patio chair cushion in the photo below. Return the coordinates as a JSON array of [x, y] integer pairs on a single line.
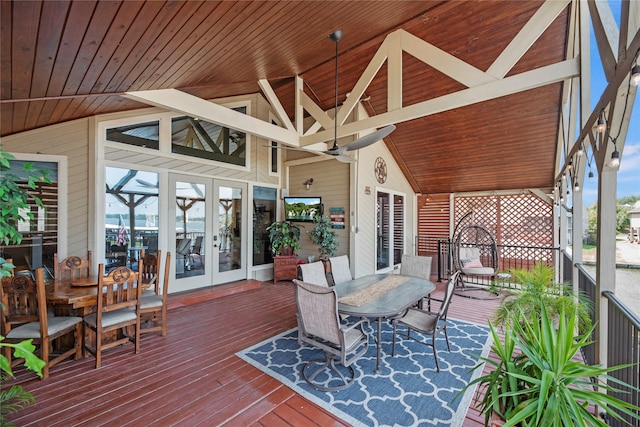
[[470, 263], [32, 329], [112, 317], [149, 301]]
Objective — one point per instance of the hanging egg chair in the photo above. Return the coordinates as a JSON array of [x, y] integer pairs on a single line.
[[475, 255]]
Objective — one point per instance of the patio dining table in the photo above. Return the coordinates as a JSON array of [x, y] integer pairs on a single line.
[[381, 296], [75, 298]]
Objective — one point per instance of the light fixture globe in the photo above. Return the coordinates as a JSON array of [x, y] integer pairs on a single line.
[[635, 76], [615, 158]]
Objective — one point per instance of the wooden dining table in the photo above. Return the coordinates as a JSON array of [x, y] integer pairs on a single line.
[[76, 297]]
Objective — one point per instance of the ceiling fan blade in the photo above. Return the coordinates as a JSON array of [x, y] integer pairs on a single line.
[[367, 140], [345, 159]]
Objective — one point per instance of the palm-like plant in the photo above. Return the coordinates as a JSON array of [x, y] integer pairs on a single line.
[[537, 380], [536, 285]]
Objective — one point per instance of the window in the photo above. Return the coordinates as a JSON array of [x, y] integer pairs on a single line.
[[389, 229], [199, 138], [40, 233], [264, 213], [273, 155], [139, 134]]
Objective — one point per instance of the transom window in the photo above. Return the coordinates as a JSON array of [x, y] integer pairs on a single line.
[[199, 138]]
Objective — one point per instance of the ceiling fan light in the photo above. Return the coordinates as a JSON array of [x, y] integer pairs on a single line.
[[635, 76]]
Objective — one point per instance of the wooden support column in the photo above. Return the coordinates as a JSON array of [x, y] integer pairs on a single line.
[[605, 256], [577, 231]]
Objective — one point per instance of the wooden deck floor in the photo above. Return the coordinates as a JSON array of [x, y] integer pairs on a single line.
[[192, 377]]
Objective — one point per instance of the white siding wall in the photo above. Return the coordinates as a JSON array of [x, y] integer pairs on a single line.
[[364, 210], [331, 182], [70, 139]]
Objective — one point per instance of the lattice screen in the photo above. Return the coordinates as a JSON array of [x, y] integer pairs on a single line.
[[522, 224]]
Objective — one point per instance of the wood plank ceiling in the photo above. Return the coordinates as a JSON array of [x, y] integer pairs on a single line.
[[64, 60]]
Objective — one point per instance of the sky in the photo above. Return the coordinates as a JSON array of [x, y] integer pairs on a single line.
[[629, 172]]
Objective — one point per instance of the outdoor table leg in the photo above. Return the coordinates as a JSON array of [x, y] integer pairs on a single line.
[[378, 344]]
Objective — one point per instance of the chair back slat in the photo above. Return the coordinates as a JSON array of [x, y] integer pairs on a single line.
[[72, 267], [150, 270], [119, 289]]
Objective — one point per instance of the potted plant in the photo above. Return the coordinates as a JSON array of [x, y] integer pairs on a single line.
[[284, 237], [536, 379], [323, 235], [536, 285], [14, 203]]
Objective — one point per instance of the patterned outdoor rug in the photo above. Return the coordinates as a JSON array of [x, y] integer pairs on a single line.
[[408, 391]]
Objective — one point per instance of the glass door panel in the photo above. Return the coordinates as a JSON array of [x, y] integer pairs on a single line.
[[190, 228], [229, 234]]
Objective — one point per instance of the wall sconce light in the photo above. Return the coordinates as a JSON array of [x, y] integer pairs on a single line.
[[635, 76], [308, 183]]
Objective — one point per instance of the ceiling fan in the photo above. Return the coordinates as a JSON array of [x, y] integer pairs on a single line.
[[339, 152]]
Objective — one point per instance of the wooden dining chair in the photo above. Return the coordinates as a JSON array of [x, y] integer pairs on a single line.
[[153, 306], [24, 316], [72, 267], [150, 270], [118, 310]]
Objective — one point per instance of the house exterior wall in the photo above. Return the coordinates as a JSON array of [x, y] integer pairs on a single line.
[[339, 184], [71, 140], [363, 210]]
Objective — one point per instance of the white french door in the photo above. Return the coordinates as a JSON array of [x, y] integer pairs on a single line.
[[207, 231]]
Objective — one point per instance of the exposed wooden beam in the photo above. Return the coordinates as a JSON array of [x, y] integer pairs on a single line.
[[268, 92], [495, 89], [175, 100], [521, 43]]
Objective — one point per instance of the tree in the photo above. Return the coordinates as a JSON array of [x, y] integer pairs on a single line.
[[623, 207]]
